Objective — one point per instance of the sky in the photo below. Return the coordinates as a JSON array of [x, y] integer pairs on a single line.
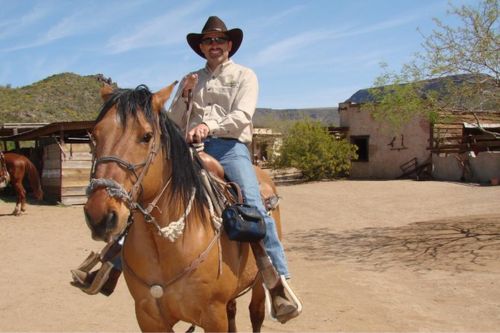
[[306, 54]]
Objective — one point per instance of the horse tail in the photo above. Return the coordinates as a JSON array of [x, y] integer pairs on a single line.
[[34, 180]]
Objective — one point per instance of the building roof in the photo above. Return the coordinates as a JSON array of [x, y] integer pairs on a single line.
[[26, 132]]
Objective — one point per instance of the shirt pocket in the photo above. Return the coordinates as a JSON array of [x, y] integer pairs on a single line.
[[224, 94]]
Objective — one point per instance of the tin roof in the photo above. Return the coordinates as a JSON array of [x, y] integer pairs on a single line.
[[35, 131]]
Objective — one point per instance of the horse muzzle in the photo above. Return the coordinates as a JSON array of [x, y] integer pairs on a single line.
[[105, 216]]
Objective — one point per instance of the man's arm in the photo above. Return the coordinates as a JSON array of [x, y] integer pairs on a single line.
[[177, 111]]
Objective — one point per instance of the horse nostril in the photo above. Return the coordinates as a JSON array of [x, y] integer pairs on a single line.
[[87, 216], [102, 226], [110, 220]]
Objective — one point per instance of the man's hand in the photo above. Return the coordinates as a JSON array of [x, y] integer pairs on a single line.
[[198, 134], [190, 82]]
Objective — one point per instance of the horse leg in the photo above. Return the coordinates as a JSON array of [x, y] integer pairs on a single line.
[[231, 315], [21, 198], [257, 306], [150, 317], [215, 318]]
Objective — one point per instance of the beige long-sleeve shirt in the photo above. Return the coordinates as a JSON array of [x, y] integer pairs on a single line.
[[225, 100]]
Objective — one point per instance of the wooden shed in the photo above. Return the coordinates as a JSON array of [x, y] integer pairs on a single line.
[[66, 172]]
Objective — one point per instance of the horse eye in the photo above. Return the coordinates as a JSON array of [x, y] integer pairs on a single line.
[[147, 137]]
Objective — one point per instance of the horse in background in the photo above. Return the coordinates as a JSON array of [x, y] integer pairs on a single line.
[[13, 168]]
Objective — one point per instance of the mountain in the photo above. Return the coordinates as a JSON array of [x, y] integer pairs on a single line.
[[71, 97], [265, 117], [60, 97]]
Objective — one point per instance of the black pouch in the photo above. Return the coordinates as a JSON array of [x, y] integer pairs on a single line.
[[243, 223]]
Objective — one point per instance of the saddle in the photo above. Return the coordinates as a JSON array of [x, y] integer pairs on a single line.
[[269, 198]]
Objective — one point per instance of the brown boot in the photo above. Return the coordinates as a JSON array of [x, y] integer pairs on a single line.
[[284, 309], [110, 285]]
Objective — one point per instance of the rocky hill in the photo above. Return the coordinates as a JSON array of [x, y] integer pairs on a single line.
[[60, 97], [70, 97]]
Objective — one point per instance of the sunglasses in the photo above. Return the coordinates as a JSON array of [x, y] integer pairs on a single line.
[[216, 40]]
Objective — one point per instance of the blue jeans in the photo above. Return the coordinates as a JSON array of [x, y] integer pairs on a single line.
[[235, 158]]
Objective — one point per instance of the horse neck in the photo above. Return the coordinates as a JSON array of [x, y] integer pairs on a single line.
[[157, 255]]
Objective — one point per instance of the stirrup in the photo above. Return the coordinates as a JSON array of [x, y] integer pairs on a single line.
[[98, 282], [89, 262], [292, 297]]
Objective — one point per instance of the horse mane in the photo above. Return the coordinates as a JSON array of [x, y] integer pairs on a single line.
[[185, 170]]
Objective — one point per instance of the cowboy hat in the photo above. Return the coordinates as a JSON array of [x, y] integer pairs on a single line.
[[215, 24]]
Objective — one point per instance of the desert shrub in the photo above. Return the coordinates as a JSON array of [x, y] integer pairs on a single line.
[[309, 147]]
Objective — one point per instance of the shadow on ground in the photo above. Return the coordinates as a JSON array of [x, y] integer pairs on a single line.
[[469, 243]]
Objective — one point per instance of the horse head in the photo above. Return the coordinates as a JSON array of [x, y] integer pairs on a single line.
[[128, 157]]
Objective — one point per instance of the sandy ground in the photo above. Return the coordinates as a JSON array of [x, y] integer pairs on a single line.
[[366, 256]]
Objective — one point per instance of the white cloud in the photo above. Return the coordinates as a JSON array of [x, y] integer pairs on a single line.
[[82, 20], [161, 30], [288, 48], [293, 47], [12, 27], [266, 21]]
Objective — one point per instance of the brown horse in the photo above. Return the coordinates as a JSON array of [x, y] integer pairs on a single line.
[[14, 168], [147, 184]]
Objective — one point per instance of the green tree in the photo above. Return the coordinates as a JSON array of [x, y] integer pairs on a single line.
[[309, 147], [458, 70]]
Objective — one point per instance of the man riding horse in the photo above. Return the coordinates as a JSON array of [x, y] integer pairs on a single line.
[[224, 101], [215, 106]]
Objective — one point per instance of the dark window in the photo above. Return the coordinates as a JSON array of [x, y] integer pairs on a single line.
[[362, 143]]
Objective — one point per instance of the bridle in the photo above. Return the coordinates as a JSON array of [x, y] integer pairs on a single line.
[[116, 190], [133, 194]]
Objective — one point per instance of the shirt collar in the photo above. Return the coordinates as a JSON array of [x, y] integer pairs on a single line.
[[219, 68]]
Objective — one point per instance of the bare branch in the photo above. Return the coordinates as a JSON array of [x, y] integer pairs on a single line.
[[496, 135]]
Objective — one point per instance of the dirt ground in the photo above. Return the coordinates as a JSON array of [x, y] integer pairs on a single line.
[[366, 256]]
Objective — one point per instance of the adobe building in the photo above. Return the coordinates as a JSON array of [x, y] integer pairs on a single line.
[[455, 149]]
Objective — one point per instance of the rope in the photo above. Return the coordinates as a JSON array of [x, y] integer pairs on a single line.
[[217, 222], [113, 188], [174, 229]]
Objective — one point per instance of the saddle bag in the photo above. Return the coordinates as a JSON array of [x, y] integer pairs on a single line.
[[243, 223]]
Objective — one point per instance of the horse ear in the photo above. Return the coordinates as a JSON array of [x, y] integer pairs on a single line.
[[106, 92], [161, 96]]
